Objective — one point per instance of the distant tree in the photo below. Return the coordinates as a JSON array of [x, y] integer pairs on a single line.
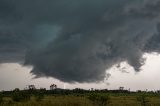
[[92, 89], [31, 87], [139, 91], [16, 90], [53, 86], [42, 89], [121, 88], [158, 91]]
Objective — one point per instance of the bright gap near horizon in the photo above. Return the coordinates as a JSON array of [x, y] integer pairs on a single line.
[[13, 75]]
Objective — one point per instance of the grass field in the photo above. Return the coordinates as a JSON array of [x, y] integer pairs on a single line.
[[88, 99]]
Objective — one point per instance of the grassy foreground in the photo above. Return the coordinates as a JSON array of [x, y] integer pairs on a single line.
[[81, 101], [76, 99]]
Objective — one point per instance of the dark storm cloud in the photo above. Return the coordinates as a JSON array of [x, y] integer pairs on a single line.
[[78, 40]]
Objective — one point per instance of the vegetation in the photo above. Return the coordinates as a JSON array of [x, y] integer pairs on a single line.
[[20, 96], [99, 99], [1, 98], [39, 96], [78, 97], [143, 99]]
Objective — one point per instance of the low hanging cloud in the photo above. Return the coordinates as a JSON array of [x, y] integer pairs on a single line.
[[78, 40]]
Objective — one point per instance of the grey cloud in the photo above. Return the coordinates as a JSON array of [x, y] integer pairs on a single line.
[[153, 44], [77, 40]]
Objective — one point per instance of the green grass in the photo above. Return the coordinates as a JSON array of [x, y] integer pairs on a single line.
[[50, 101], [83, 100]]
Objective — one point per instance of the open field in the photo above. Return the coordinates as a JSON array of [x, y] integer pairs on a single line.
[[80, 101], [45, 98]]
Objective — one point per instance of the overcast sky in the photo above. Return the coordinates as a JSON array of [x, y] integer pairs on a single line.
[[79, 41]]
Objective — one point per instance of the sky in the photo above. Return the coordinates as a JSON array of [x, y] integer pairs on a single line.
[[79, 42], [15, 75]]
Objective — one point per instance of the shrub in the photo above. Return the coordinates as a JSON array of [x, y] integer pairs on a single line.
[[20, 96], [39, 96], [99, 99], [1, 98], [143, 99]]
